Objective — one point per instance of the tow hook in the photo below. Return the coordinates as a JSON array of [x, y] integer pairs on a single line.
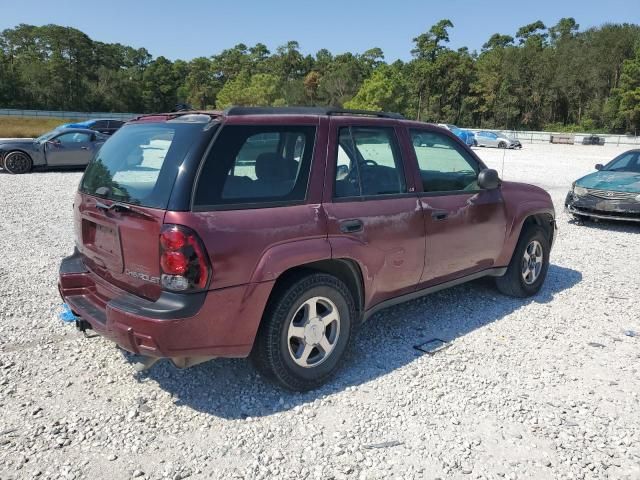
[[69, 316]]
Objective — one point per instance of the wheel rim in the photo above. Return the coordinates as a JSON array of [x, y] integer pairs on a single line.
[[313, 332], [532, 262], [17, 162]]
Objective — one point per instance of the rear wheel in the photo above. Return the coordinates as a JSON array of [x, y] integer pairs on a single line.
[[17, 162], [529, 265], [305, 332]]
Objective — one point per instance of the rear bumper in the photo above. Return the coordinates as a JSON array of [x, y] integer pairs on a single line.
[[603, 209], [217, 323]]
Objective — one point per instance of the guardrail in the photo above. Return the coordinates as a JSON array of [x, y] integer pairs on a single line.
[[13, 112], [545, 137]]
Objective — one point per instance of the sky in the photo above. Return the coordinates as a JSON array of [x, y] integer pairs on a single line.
[[185, 29]]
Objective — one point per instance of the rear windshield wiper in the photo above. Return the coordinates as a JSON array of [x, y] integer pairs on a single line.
[[122, 207]]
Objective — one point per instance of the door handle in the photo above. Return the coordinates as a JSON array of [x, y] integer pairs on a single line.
[[439, 215], [351, 226], [84, 148]]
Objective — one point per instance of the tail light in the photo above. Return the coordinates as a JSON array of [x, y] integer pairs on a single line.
[[184, 264]]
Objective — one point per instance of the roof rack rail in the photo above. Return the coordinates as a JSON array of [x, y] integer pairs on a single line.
[[181, 113], [236, 111]]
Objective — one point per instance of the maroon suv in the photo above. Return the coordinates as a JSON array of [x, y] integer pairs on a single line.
[[273, 232]]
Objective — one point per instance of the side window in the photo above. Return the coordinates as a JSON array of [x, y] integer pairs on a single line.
[[255, 164], [444, 165], [368, 163], [74, 138]]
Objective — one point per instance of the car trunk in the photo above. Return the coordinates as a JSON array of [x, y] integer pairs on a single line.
[[120, 245], [123, 197]]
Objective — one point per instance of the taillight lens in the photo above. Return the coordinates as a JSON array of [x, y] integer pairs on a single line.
[[184, 264]]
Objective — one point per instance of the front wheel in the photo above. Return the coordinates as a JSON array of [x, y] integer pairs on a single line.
[[305, 332], [529, 265], [17, 162], [502, 145]]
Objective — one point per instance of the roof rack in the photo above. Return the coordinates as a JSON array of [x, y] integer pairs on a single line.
[[177, 114], [236, 111]]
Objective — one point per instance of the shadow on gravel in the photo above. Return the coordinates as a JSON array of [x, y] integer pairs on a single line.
[[232, 389], [610, 225]]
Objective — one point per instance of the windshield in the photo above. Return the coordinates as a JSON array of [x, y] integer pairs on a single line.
[[627, 162], [139, 163], [47, 136]]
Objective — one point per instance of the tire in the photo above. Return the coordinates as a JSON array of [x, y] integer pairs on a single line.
[[518, 282], [17, 162], [288, 348], [502, 145]]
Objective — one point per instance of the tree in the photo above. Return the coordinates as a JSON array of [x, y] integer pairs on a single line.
[[201, 84], [260, 89], [159, 86], [384, 90], [428, 44], [629, 93]]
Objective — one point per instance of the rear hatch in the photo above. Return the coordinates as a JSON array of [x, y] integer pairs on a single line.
[[123, 197]]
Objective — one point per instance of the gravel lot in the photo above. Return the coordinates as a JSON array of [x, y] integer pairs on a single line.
[[544, 388]]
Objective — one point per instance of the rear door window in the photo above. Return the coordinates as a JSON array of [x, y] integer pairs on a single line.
[[255, 166], [368, 163], [71, 138]]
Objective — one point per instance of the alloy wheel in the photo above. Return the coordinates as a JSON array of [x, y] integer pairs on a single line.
[[313, 332], [532, 262], [17, 162]]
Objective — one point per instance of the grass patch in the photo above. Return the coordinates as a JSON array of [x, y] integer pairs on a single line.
[[28, 127]]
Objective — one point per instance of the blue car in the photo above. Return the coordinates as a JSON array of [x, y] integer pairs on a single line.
[[465, 135], [612, 192], [106, 126]]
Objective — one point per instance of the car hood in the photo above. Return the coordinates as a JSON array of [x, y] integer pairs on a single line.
[[607, 180]]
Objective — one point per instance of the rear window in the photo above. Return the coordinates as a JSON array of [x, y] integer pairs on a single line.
[[139, 163], [256, 165]]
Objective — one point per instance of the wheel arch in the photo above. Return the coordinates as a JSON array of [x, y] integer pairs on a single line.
[[14, 150], [346, 270], [542, 217]]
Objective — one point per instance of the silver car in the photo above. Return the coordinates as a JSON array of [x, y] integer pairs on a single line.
[[495, 139], [67, 147]]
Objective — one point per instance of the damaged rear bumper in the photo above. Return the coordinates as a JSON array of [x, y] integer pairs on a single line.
[[217, 323]]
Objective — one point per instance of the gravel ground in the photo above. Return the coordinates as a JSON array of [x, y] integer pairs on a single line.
[[540, 388]]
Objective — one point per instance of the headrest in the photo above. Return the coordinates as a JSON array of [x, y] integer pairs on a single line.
[[272, 167]]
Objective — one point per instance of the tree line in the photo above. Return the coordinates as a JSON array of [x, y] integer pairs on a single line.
[[558, 77]]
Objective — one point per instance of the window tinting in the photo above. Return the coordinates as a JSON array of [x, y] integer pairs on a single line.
[[627, 162], [444, 165], [140, 162], [74, 138], [256, 164], [368, 163]]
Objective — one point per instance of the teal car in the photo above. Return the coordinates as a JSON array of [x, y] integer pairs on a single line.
[[611, 193]]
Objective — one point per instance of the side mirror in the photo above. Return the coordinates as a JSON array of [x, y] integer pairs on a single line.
[[488, 179], [599, 166]]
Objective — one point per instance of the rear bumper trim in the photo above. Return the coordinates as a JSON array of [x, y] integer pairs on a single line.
[[216, 323]]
